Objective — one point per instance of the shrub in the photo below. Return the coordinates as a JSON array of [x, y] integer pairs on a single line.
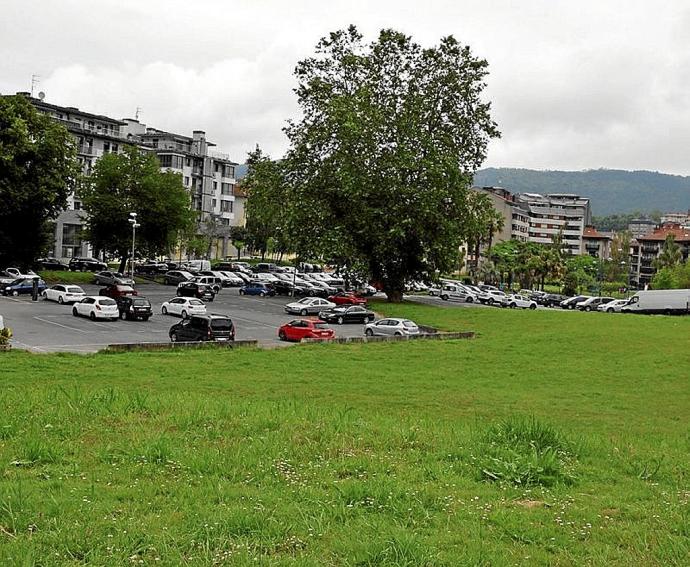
[[5, 335], [526, 451]]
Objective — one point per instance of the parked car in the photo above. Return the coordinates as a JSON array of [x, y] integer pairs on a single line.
[[96, 307], [112, 278], [152, 268], [183, 306], [51, 264], [552, 300], [494, 296], [220, 277], [571, 302], [347, 298], [480, 294], [592, 303], [22, 286], [286, 287], [309, 306], [81, 264], [64, 293], [347, 314], [233, 280], [457, 292], [305, 329], [16, 273], [257, 288], [195, 289], [264, 267], [174, 277], [666, 301], [115, 291], [614, 306], [391, 327], [517, 300], [133, 307], [196, 266], [203, 328]]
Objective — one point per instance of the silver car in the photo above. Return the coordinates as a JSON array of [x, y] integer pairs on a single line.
[[391, 327], [112, 278]]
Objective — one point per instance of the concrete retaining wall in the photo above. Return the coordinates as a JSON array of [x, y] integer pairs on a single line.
[[432, 336]]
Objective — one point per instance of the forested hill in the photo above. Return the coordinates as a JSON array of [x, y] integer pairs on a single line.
[[610, 190]]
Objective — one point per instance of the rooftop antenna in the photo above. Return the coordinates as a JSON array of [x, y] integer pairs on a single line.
[[136, 114], [35, 79]]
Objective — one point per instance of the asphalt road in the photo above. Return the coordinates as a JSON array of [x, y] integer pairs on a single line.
[[45, 326]]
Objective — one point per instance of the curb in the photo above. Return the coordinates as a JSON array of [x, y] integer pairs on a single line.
[[134, 347], [432, 336]]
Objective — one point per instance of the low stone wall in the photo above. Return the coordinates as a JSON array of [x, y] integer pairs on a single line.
[[132, 347], [430, 336]]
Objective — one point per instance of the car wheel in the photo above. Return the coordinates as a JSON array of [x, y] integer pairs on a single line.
[[262, 294], [533, 306], [15, 293], [444, 297], [469, 300], [282, 336], [146, 318], [75, 312], [369, 332], [398, 334], [588, 308], [92, 316], [512, 306], [303, 313], [44, 295], [60, 300], [490, 301], [123, 315], [173, 337], [184, 314], [241, 292], [609, 310], [164, 310], [340, 321]]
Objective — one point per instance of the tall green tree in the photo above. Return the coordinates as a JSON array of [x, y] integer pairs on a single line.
[[381, 161], [38, 170], [265, 187], [127, 182], [670, 254]]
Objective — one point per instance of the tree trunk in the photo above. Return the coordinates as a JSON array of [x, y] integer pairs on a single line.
[[123, 263], [394, 295]]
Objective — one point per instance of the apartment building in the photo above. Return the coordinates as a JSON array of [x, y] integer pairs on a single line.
[[645, 249], [641, 226], [596, 244], [209, 176], [682, 219]]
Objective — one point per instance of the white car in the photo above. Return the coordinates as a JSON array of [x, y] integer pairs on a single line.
[[516, 300], [391, 327], [457, 292], [613, 306], [233, 279], [16, 273], [309, 306], [184, 307], [64, 293], [494, 296], [96, 307]]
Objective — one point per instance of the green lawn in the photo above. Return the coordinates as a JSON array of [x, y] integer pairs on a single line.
[[552, 438]]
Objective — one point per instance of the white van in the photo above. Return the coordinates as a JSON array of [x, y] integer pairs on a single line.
[[666, 301], [457, 292]]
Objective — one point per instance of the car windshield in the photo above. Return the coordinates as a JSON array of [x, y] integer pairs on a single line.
[[118, 275], [196, 302], [107, 302], [74, 289], [221, 324], [305, 301]]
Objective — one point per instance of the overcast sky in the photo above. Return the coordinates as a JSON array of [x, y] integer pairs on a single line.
[[574, 85]]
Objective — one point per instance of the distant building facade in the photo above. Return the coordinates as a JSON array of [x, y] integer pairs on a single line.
[[645, 250], [682, 219], [596, 244], [641, 226], [208, 176]]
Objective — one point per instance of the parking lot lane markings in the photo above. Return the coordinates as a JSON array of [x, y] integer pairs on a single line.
[[28, 347], [253, 321], [60, 325]]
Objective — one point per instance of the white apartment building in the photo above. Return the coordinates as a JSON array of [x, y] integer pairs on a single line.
[[556, 212], [209, 176]]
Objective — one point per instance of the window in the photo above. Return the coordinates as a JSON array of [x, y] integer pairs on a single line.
[[215, 186], [225, 206], [226, 189], [115, 148], [186, 181], [106, 147], [213, 204], [77, 206]]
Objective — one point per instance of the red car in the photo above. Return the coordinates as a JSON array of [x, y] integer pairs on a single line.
[[347, 298], [116, 291], [305, 329]]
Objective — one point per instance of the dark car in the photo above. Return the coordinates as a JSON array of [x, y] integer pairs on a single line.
[[203, 328], [551, 299], [175, 277], [284, 287], [23, 286], [195, 289], [151, 268], [133, 307], [347, 314], [265, 268], [115, 291], [257, 288], [51, 264], [81, 264]]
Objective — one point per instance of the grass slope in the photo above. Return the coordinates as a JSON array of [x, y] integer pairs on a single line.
[[552, 438]]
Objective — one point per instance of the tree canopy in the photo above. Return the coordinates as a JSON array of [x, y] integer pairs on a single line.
[[382, 159], [38, 170], [132, 181]]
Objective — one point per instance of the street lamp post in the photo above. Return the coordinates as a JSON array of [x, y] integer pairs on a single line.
[[133, 221]]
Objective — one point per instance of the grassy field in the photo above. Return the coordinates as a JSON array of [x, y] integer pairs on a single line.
[[80, 278], [552, 438]]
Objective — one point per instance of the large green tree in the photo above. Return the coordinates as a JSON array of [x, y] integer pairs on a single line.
[[670, 254], [38, 169], [381, 161], [127, 182]]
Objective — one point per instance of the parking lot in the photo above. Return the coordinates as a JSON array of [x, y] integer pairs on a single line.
[[45, 326]]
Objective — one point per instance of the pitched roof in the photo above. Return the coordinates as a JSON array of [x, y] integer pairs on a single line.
[[593, 234], [680, 234]]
